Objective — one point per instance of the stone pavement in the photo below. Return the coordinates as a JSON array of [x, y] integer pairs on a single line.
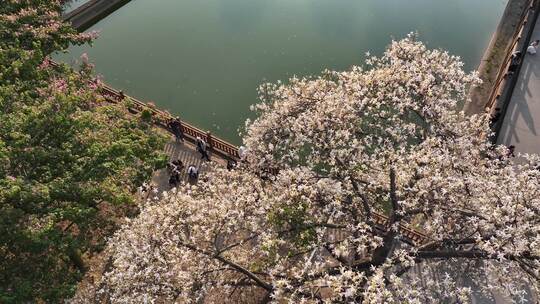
[[187, 153], [521, 125]]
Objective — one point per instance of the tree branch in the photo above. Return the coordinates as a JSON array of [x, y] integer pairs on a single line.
[[393, 198], [365, 202], [336, 257], [233, 265]]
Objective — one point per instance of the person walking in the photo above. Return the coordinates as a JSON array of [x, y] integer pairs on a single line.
[[202, 147], [242, 153], [193, 172], [514, 62], [231, 164], [200, 144], [178, 164], [177, 177], [533, 47], [173, 179], [177, 129], [511, 150]]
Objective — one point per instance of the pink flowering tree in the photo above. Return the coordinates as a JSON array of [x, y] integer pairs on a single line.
[[298, 221], [69, 162]]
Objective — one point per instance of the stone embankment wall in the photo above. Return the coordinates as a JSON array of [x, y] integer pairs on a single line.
[[91, 12], [495, 54]]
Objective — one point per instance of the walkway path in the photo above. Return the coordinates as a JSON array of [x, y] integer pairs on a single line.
[[521, 125], [187, 153]]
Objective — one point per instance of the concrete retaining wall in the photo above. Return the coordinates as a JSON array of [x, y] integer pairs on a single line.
[[92, 12]]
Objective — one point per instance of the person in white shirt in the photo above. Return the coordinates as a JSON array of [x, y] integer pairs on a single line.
[[202, 147], [515, 60], [193, 172], [532, 48], [242, 153]]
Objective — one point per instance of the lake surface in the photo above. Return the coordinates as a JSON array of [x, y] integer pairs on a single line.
[[204, 59]]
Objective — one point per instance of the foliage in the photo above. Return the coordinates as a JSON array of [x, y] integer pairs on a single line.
[[333, 151], [69, 162], [146, 115]]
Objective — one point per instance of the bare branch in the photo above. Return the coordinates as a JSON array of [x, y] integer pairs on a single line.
[[232, 264]]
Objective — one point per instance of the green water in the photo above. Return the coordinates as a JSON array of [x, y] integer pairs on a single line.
[[204, 59]]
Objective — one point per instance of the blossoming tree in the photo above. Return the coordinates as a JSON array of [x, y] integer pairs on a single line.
[[298, 221]]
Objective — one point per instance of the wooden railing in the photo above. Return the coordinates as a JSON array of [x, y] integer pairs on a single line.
[[503, 69], [162, 118], [410, 235]]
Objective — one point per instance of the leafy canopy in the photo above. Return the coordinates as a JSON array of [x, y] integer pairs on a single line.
[[69, 162]]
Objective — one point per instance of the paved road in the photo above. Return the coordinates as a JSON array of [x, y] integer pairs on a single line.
[[521, 125]]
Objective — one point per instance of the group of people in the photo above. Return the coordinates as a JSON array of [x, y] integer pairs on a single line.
[[203, 147], [175, 168], [515, 59], [175, 125]]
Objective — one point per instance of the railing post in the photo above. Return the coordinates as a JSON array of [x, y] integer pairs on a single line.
[[209, 139]]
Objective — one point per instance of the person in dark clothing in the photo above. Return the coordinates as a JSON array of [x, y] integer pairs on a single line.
[[231, 164], [199, 143], [495, 117], [171, 167], [177, 176], [177, 129], [175, 165], [204, 154], [174, 178], [202, 148], [511, 150], [179, 164], [193, 172], [514, 62]]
